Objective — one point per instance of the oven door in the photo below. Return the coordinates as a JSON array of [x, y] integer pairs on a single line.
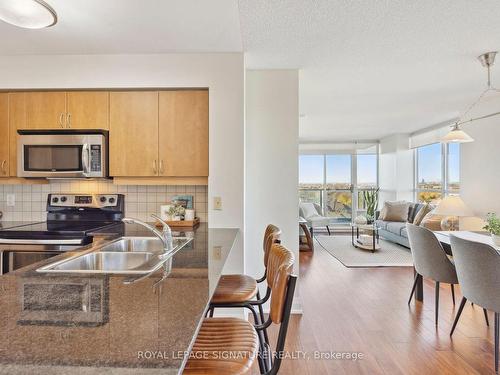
[[52, 155], [13, 260]]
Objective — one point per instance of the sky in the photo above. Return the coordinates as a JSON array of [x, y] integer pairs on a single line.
[[338, 168], [429, 162]]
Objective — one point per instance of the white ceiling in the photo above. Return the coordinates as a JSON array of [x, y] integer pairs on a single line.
[[374, 68], [130, 26], [367, 68]]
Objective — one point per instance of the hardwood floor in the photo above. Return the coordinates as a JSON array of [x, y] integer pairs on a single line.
[[365, 310]]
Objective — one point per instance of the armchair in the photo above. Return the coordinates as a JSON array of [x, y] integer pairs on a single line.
[[313, 214]]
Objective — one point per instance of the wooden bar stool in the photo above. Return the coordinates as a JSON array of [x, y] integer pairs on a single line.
[[239, 290], [227, 346]]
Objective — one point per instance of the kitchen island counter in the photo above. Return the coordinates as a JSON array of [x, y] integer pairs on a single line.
[[85, 324]]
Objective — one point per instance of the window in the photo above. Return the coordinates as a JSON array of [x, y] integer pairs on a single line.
[[366, 176], [437, 171], [453, 180], [338, 187], [311, 178], [333, 180]]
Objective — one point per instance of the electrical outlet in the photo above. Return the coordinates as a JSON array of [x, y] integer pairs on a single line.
[[11, 200], [217, 252], [217, 203]]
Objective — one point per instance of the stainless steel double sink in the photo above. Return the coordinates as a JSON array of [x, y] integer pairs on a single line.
[[125, 255]]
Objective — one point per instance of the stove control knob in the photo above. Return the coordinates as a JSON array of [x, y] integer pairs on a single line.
[[55, 200], [111, 200], [102, 199], [64, 199]]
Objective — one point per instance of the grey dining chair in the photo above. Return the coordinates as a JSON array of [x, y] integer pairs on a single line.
[[477, 268], [430, 261]]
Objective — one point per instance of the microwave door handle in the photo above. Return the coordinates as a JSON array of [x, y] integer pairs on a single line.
[[85, 159]]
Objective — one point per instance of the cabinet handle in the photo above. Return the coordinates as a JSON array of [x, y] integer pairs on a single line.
[[61, 120], [155, 169], [3, 166], [68, 120], [161, 166]]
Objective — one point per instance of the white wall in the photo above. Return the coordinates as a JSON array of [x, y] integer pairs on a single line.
[[222, 73], [396, 168], [271, 185], [480, 171]]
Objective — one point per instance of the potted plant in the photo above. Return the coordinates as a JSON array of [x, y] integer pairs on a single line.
[[370, 197], [493, 226]]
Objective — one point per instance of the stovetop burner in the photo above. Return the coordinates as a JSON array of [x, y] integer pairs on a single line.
[[71, 218]]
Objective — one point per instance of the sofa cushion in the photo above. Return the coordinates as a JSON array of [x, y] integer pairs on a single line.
[[422, 213], [381, 224], [413, 211], [404, 232], [395, 227], [395, 211]]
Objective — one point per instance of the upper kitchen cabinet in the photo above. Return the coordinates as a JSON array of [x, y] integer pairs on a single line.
[[183, 133], [133, 133], [45, 110], [87, 110], [4, 135]]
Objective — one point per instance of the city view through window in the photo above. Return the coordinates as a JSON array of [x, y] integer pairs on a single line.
[[331, 181], [437, 171]]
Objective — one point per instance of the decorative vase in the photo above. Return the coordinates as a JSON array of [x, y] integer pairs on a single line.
[[176, 218], [496, 239]]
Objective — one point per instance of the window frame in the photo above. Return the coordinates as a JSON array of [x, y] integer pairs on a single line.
[[444, 191]]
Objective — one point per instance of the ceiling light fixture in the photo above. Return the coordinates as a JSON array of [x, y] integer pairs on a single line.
[[456, 134], [30, 14]]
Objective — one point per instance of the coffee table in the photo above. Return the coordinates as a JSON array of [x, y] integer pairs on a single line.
[[359, 231]]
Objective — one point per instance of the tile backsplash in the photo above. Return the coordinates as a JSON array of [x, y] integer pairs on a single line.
[[140, 201]]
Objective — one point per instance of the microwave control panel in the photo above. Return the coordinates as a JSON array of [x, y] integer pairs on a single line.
[[95, 158]]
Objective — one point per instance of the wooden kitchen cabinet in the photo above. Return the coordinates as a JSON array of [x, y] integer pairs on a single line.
[[133, 137], [87, 110], [4, 135], [17, 120], [45, 110], [183, 133]]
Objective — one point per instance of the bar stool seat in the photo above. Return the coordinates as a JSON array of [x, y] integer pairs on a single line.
[[224, 346], [235, 289]]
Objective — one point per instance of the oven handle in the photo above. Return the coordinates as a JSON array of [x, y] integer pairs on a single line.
[[86, 159], [17, 241]]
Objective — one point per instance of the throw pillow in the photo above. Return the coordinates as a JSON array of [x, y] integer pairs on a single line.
[[422, 213], [395, 211], [411, 214], [308, 210], [432, 221]]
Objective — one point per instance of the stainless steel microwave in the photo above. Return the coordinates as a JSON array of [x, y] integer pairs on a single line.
[[62, 153]]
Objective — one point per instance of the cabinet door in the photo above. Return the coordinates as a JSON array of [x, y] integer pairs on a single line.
[[87, 109], [133, 133], [45, 110], [4, 135], [17, 120], [183, 129]]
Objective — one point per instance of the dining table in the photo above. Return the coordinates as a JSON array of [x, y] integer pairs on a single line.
[[444, 238]]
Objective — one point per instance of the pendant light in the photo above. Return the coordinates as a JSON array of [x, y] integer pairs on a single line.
[[456, 134], [29, 14]]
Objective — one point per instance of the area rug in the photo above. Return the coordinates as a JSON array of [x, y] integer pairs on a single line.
[[389, 254]]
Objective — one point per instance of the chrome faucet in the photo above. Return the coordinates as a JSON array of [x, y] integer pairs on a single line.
[[165, 235]]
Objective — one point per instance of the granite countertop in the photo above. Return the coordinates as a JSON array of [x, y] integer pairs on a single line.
[[97, 324]]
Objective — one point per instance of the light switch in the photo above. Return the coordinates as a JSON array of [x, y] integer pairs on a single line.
[[217, 252], [11, 200], [217, 203]]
